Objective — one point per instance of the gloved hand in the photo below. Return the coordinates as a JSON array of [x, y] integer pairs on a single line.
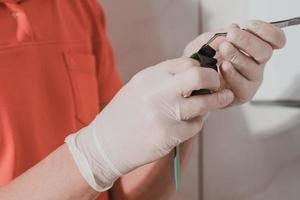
[[243, 55], [147, 118]]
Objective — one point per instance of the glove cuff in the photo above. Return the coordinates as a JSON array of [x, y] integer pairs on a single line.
[[91, 160]]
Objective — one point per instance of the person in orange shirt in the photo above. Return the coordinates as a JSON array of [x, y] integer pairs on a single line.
[[57, 72]]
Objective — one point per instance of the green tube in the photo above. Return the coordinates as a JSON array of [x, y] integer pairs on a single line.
[[177, 168]]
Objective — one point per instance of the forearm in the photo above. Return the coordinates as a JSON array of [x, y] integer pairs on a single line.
[[153, 181], [56, 177]]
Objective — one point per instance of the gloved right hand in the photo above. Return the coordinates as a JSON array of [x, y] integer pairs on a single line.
[[147, 118]]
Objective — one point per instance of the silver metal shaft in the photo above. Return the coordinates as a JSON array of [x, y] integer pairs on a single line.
[[285, 23], [280, 24]]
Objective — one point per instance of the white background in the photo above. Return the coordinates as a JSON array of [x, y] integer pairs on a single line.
[[252, 152], [282, 80]]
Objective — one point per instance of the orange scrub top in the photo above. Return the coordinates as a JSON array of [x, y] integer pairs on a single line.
[[56, 69]]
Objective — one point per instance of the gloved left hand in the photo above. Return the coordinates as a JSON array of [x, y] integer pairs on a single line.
[[242, 56]]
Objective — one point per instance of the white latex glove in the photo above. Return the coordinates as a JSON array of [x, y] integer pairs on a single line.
[[243, 55], [146, 120]]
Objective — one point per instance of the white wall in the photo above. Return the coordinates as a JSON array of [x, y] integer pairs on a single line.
[[250, 152], [146, 32]]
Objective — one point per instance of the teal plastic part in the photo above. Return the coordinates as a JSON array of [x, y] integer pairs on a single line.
[[177, 168]]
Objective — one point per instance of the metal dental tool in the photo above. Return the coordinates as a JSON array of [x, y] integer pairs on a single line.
[[280, 24]]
